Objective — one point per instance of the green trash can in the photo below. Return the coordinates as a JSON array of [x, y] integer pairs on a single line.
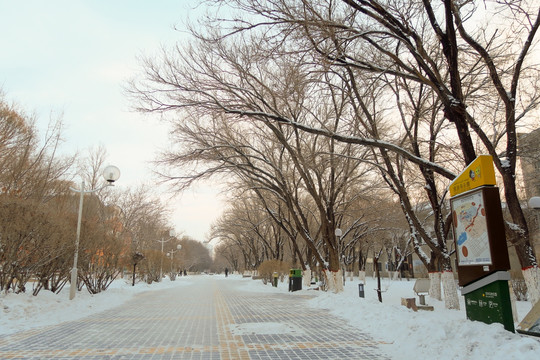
[[295, 279], [275, 279]]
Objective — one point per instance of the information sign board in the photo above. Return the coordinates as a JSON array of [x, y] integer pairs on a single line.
[[470, 226], [478, 228]]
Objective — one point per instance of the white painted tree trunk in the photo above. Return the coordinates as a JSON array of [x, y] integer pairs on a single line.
[[334, 281], [435, 285], [362, 277], [451, 298], [395, 275], [306, 280], [351, 275], [531, 276]]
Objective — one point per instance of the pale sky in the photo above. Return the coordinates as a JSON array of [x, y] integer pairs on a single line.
[[72, 57]]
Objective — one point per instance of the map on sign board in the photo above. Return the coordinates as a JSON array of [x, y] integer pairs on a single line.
[[470, 227]]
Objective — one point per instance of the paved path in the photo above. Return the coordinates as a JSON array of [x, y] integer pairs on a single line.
[[214, 318]]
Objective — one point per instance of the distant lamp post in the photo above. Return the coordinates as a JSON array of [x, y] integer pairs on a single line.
[[111, 173], [338, 232], [171, 254], [172, 234]]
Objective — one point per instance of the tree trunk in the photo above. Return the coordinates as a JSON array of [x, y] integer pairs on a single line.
[[513, 300], [334, 280], [521, 240], [378, 275], [451, 299], [362, 277], [435, 285], [133, 281], [531, 276], [307, 278]]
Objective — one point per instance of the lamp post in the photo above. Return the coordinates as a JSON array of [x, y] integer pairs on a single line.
[[338, 232], [171, 254], [111, 173], [172, 233]]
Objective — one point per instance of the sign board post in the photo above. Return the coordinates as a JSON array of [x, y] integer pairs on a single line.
[[479, 235]]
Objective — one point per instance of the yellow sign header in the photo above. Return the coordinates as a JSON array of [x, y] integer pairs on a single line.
[[480, 172]]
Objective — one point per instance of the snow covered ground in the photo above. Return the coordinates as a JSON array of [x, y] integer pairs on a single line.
[[441, 334]]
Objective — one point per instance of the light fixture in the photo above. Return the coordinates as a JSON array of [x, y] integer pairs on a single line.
[[111, 173]]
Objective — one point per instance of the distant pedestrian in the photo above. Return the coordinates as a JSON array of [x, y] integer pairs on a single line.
[[226, 272]]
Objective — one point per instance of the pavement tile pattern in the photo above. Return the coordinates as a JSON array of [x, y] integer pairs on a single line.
[[211, 319]]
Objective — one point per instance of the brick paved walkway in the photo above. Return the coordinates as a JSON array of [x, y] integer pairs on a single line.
[[209, 320]]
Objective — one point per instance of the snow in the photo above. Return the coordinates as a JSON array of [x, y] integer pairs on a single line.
[[441, 334], [23, 311], [268, 329]]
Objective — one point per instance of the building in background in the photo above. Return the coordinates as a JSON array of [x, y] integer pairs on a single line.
[[529, 156]]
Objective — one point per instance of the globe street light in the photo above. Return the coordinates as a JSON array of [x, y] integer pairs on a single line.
[[111, 173], [172, 234]]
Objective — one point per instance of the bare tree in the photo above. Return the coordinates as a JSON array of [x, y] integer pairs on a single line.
[[33, 239], [484, 78], [270, 157]]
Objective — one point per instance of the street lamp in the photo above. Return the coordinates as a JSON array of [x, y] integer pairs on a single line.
[[338, 232], [171, 254], [172, 234], [111, 173]]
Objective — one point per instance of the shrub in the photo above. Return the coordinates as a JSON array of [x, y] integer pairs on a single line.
[[268, 267]]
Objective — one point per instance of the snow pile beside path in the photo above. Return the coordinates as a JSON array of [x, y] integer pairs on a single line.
[[24, 311], [441, 334]]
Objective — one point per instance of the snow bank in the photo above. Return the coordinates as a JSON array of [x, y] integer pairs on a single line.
[[24, 311]]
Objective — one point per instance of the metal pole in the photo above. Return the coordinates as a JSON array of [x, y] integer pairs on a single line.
[[161, 263], [73, 287], [111, 174]]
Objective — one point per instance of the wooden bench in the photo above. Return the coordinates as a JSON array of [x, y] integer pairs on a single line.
[[421, 288]]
